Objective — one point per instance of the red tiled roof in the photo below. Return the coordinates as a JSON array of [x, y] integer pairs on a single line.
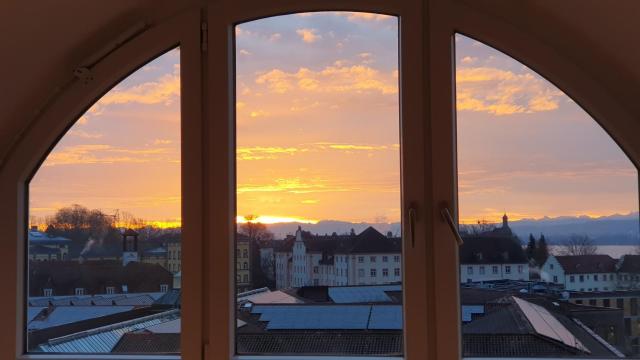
[[587, 264]]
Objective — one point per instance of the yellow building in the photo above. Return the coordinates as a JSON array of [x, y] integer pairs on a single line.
[[626, 300], [155, 256], [243, 263], [174, 258]]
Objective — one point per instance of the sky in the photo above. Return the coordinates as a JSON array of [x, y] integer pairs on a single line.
[[317, 131]]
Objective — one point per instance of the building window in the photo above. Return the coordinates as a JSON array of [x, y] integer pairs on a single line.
[[595, 277], [507, 269], [494, 269], [47, 292], [620, 303], [385, 272], [469, 270], [315, 269], [79, 291], [372, 259], [520, 269], [396, 258], [385, 258], [360, 272], [481, 270], [555, 278], [373, 272], [606, 302], [360, 259], [572, 278], [581, 277], [396, 272], [551, 266], [111, 290], [164, 288], [245, 278]]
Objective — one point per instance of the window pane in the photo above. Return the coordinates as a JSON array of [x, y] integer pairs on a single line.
[[318, 185], [104, 213], [549, 202]]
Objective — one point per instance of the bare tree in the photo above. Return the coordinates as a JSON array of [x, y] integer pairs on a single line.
[[579, 245], [254, 230]]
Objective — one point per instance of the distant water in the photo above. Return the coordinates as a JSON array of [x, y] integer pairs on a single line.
[[615, 251]]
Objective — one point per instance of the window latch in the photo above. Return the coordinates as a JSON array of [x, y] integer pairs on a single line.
[[412, 226], [446, 217]]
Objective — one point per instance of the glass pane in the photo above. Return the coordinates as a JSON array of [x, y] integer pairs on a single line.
[[104, 216], [549, 215], [319, 255]]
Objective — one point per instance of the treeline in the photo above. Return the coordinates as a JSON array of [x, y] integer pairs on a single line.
[[93, 230]]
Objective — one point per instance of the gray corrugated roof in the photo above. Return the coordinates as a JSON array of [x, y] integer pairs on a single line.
[[362, 294], [103, 340], [69, 314], [330, 317]]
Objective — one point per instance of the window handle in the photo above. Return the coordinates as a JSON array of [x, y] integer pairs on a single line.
[[412, 226], [446, 217]]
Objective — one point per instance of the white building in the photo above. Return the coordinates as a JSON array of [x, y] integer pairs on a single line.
[[581, 272], [368, 258], [493, 255]]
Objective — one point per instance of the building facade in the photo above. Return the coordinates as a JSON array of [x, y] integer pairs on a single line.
[[243, 263], [43, 247], [493, 255], [628, 301], [368, 258], [593, 273]]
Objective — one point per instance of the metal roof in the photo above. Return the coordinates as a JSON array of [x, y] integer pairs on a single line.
[[32, 312], [330, 317], [546, 324], [38, 237], [103, 339], [69, 314], [362, 294]]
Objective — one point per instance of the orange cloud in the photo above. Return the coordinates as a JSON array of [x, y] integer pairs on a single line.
[[84, 134], [308, 35], [164, 90], [331, 79], [262, 153], [102, 154], [503, 92]]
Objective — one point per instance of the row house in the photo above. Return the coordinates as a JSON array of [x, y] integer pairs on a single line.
[[493, 255], [45, 247], [368, 258], [592, 273]]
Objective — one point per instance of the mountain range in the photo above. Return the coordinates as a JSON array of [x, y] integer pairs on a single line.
[[617, 229]]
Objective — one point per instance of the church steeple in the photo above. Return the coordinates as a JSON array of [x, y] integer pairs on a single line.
[[505, 221]]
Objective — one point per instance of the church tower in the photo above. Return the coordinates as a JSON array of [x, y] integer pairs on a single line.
[[505, 221], [129, 247]]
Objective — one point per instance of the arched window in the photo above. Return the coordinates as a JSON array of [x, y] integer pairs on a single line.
[[345, 107], [107, 192], [540, 183]]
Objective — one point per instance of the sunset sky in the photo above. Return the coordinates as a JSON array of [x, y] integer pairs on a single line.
[[318, 136]]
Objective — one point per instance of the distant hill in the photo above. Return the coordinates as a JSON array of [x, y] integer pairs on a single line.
[[607, 230]]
